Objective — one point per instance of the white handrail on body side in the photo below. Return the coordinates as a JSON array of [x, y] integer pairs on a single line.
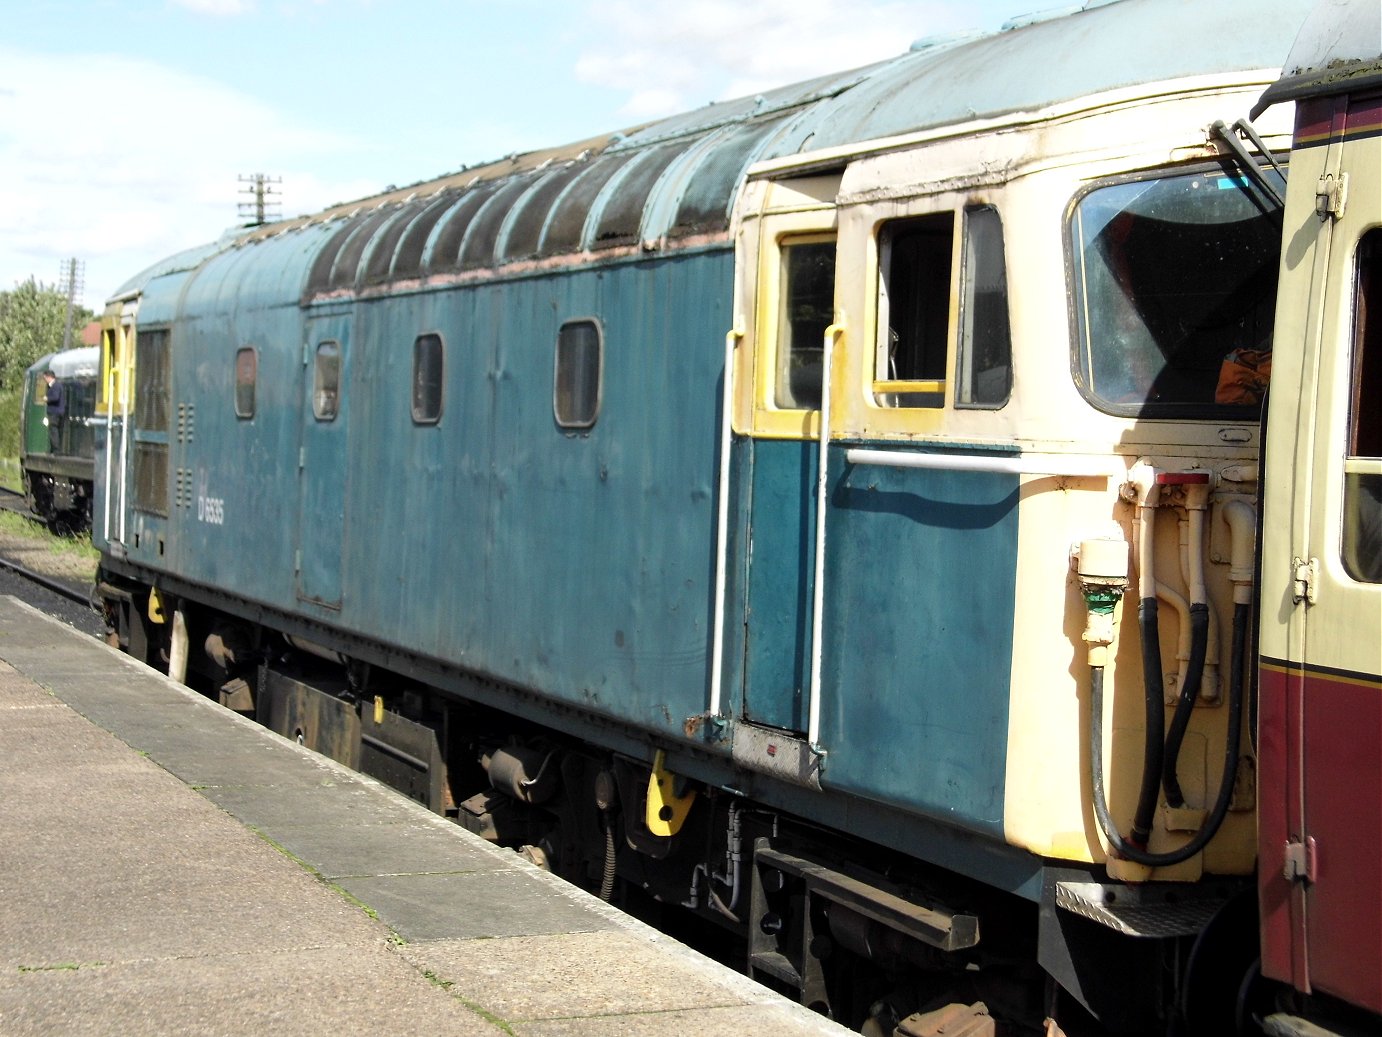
[[813, 723], [717, 637], [124, 437], [1071, 465], [110, 428]]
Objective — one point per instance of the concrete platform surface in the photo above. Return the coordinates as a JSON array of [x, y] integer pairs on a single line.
[[167, 867]]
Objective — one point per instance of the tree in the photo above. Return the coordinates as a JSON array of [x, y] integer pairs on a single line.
[[32, 319]]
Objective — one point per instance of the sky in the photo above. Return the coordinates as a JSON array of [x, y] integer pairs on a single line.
[[126, 125]]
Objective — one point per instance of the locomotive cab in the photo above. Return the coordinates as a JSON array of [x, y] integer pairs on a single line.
[[905, 385]]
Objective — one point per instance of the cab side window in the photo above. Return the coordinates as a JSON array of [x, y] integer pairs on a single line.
[[914, 311], [807, 309], [985, 361], [1362, 529]]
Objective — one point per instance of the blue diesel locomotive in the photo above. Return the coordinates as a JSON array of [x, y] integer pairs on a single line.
[[728, 514]]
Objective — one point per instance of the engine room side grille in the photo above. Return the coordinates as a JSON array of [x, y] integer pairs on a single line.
[[151, 478]]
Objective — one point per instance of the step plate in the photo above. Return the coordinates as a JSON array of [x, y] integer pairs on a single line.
[[1140, 911]]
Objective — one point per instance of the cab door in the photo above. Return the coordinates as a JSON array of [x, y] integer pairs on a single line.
[[795, 309], [322, 469]]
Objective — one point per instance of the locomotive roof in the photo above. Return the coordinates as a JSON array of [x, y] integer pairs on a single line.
[[674, 180]]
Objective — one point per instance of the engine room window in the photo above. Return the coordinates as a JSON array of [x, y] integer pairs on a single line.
[[985, 360], [807, 308], [1362, 533], [326, 381], [246, 377], [151, 391], [576, 392], [914, 311], [427, 379], [1175, 289]]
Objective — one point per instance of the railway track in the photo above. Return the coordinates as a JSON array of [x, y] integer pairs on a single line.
[[70, 591], [13, 500]]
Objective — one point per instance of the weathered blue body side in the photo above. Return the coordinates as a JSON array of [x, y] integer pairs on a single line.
[[920, 628], [579, 564], [232, 481], [572, 562]]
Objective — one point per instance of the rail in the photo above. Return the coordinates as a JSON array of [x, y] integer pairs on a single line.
[[46, 582]]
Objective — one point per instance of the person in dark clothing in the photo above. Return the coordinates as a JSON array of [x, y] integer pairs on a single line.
[[57, 410]]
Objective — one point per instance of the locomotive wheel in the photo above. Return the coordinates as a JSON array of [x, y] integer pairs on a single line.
[[1222, 986]]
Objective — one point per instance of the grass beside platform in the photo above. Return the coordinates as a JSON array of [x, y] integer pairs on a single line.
[[77, 546], [10, 477]]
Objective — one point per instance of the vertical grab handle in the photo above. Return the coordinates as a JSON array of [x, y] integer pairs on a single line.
[[717, 637], [110, 429], [813, 724]]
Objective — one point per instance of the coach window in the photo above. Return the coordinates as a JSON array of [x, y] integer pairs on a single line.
[[427, 379], [985, 359], [807, 300], [246, 377], [1175, 294], [578, 374], [1362, 547], [914, 258], [326, 381]]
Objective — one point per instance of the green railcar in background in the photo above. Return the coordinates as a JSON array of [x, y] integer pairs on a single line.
[[56, 458]]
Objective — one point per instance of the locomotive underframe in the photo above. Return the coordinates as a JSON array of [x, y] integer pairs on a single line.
[[761, 871], [58, 489]]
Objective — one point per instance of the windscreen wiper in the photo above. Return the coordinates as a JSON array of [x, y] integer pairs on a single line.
[[1254, 172]]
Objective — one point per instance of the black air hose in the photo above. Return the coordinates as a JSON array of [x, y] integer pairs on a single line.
[[1185, 705], [1153, 692], [1138, 854]]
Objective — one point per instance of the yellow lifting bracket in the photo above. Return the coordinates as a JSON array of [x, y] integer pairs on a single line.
[[666, 809], [156, 610]]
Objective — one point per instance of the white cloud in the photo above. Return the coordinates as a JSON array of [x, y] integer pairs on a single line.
[[154, 174], [674, 58]]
